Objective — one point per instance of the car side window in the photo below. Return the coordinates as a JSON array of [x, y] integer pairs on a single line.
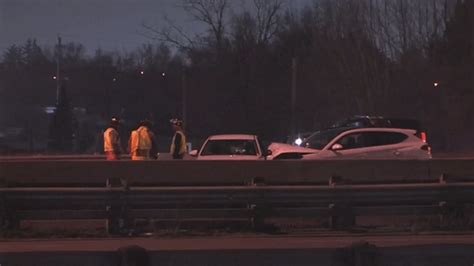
[[352, 141], [371, 139], [386, 138]]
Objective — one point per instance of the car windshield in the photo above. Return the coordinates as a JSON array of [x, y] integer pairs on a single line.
[[229, 147], [320, 139]]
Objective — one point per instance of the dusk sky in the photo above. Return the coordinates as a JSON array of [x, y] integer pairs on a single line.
[[108, 24]]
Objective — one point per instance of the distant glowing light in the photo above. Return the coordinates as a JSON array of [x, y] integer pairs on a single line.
[[114, 79], [49, 109], [54, 77], [163, 74], [436, 84], [298, 141], [142, 72]]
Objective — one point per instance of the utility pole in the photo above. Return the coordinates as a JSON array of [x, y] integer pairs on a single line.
[[293, 95], [183, 95], [58, 65], [186, 64]]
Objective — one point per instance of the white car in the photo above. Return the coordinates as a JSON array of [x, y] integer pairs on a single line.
[[356, 143], [230, 147]]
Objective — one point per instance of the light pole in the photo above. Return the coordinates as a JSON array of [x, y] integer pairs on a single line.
[[141, 81], [108, 95], [184, 88], [183, 95], [442, 113], [293, 95], [58, 66]]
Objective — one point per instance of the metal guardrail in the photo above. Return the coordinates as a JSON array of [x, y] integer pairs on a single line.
[[233, 190], [339, 204], [148, 173]]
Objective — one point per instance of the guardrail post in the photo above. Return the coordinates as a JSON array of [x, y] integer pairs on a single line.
[[454, 215], [115, 182], [257, 207], [8, 220], [3, 213], [336, 180], [118, 221], [341, 216], [443, 179], [256, 181], [257, 217]]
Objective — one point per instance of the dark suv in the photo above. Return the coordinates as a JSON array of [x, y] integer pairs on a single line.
[[380, 121]]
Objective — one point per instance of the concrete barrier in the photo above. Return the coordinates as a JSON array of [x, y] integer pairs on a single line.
[[97, 172]]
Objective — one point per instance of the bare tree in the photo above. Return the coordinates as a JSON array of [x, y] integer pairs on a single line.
[[268, 19], [172, 34], [210, 12]]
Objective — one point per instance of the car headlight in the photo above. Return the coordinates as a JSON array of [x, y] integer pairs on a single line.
[[298, 141]]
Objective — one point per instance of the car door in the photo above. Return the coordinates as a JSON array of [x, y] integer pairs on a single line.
[[371, 145], [365, 145], [384, 145], [351, 146]]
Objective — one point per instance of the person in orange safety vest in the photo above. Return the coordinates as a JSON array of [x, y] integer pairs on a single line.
[[112, 145], [141, 141]]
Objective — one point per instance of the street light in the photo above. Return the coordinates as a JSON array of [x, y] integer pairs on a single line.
[[442, 112], [108, 96], [186, 64]]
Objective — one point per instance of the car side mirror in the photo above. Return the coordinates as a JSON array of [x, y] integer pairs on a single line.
[[194, 153], [337, 147]]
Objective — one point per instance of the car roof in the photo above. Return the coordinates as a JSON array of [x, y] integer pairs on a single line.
[[340, 130], [381, 129], [379, 121], [232, 137]]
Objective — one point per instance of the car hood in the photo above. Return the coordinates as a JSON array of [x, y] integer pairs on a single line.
[[230, 157], [277, 149]]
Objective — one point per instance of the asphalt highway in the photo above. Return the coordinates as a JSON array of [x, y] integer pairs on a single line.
[[229, 243]]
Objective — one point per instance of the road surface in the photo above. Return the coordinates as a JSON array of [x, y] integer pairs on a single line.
[[230, 243]]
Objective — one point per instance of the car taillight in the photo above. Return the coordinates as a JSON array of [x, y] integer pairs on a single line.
[[423, 136]]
